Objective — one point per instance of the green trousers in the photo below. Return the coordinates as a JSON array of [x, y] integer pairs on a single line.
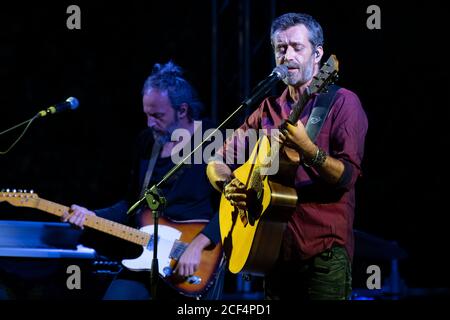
[[326, 276]]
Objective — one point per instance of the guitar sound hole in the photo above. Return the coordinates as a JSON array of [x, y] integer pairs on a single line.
[[255, 205]]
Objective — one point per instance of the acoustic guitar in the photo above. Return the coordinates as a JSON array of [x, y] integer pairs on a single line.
[[251, 238]]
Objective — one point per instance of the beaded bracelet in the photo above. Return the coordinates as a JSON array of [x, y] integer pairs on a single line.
[[318, 159]]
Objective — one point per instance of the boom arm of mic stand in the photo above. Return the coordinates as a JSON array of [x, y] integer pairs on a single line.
[[153, 196], [182, 162], [261, 89], [155, 200]]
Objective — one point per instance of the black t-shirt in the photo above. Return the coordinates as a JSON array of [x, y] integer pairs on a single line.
[[189, 195]]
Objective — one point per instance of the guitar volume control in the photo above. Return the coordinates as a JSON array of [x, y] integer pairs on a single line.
[[167, 271], [194, 279]]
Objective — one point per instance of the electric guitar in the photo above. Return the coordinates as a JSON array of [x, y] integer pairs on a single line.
[[251, 238], [174, 237]]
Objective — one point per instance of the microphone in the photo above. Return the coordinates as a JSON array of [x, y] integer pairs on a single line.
[[278, 73], [71, 103]]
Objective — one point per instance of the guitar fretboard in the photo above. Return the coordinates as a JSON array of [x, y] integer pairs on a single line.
[[98, 223], [297, 108]]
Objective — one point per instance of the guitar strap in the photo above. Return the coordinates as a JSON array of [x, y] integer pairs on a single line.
[[151, 165], [320, 111]]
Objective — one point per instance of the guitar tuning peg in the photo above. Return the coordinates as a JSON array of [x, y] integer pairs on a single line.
[[14, 190], [7, 190], [20, 190], [31, 191]]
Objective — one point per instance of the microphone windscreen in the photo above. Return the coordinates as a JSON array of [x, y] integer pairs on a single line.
[[281, 71], [73, 102]]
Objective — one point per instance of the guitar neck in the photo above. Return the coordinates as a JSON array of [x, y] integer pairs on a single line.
[[255, 175], [298, 108], [104, 225]]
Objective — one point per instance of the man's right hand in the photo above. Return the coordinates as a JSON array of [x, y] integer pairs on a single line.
[[236, 192], [76, 215]]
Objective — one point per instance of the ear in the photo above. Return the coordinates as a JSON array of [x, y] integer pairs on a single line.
[[318, 54], [183, 110]]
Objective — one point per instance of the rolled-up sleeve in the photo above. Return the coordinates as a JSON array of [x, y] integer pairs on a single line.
[[347, 137]]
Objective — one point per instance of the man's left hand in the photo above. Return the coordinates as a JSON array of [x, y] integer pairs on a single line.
[[296, 137]]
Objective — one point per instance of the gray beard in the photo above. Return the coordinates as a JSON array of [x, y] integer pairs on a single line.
[[305, 76], [164, 137]]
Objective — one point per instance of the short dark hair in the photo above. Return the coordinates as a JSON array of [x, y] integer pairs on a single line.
[[168, 77], [288, 20]]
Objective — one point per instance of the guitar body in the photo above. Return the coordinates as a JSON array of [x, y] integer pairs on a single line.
[[251, 239], [172, 234]]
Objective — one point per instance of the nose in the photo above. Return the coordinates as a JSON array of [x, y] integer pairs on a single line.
[[290, 54], [151, 122]]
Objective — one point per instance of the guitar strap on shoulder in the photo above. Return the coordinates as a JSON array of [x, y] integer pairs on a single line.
[[320, 112], [151, 165]]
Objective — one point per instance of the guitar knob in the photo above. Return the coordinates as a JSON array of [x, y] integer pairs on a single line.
[[7, 190], [14, 190], [194, 279], [167, 271], [31, 191]]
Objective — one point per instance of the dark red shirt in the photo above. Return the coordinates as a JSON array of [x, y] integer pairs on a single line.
[[324, 214]]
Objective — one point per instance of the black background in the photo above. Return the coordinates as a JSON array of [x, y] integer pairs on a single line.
[[399, 72]]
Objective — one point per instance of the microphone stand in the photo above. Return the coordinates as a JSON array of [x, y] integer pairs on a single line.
[[156, 202], [153, 196]]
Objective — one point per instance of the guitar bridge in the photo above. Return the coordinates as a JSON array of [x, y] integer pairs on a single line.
[[150, 242]]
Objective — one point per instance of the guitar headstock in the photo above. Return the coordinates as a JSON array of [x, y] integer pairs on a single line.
[[326, 75], [19, 198]]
